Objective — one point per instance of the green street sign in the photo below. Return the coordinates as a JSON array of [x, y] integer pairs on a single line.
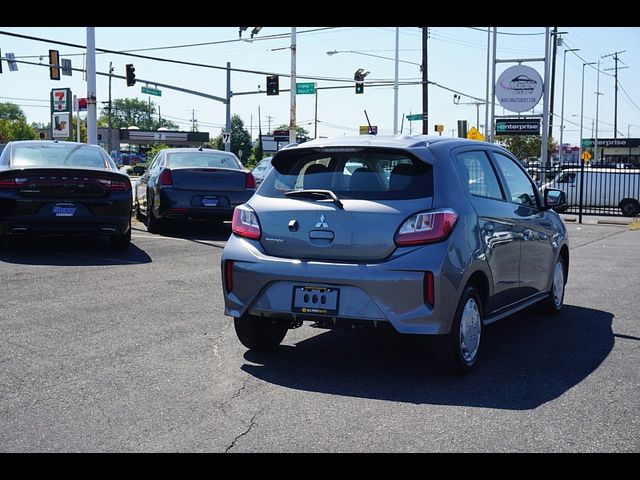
[[308, 88], [415, 116], [152, 91]]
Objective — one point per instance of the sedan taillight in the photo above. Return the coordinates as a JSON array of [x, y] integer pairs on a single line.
[[245, 222], [120, 186], [7, 182], [164, 179], [250, 182], [426, 227]]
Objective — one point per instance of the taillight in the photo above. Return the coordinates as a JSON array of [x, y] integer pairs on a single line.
[[245, 222], [120, 186], [228, 275], [250, 181], [165, 178], [428, 289], [426, 227], [7, 182]]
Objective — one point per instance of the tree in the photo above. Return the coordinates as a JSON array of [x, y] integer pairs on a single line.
[[153, 151], [240, 139], [128, 112], [11, 111], [300, 131], [525, 147]]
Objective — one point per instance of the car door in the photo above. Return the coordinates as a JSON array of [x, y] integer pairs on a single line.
[[496, 221], [533, 225]]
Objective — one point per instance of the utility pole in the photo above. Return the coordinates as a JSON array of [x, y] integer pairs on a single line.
[[395, 84], [595, 144], [315, 132], [193, 120], [425, 83], [292, 116], [92, 117], [227, 146], [269, 117], [109, 131], [486, 105], [615, 108]]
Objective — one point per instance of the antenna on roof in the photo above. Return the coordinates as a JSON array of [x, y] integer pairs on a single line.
[[370, 127]]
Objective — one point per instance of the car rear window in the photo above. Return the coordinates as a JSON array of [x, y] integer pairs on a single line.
[[360, 173], [57, 155], [201, 160]]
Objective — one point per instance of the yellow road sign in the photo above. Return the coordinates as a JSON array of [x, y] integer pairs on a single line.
[[474, 134], [586, 156]]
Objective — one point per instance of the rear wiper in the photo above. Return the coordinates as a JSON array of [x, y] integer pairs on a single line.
[[312, 193]]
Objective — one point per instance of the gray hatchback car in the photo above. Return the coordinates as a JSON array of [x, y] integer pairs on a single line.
[[429, 235]]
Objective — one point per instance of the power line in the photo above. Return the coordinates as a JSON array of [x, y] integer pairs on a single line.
[[483, 30]]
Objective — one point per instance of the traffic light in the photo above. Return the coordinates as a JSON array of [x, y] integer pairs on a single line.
[[273, 87], [131, 76], [359, 87], [54, 65]]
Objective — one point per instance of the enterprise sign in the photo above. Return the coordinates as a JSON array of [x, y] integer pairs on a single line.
[[517, 127]]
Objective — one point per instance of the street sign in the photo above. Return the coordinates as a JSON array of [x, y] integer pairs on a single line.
[[66, 66], [586, 156], [152, 91], [60, 100], [417, 116], [364, 130], [474, 134], [226, 137], [11, 61], [517, 126], [307, 88]]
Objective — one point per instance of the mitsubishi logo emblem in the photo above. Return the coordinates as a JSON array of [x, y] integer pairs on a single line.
[[322, 223]]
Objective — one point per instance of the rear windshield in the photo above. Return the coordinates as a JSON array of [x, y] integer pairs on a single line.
[[201, 160], [58, 155], [365, 174]]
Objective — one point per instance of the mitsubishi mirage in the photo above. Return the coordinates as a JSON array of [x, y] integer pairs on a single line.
[[428, 235]]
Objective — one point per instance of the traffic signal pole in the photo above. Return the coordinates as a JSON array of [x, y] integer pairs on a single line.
[[227, 146]]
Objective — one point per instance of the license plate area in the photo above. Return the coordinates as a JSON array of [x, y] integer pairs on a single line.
[[64, 210], [315, 300], [210, 201]]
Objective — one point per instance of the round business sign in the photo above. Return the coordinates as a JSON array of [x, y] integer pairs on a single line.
[[519, 88]]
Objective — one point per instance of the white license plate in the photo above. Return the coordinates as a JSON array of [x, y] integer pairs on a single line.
[[209, 202], [315, 300], [62, 210]]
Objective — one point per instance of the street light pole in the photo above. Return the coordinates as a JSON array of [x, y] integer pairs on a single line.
[[564, 71], [582, 109], [395, 84], [595, 145]]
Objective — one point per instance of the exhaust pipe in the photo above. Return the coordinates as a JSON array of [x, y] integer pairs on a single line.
[[108, 231], [18, 231]]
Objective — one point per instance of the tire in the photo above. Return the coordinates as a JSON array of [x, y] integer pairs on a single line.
[[630, 207], [139, 216], [121, 242], [260, 334], [457, 351], [553, 303], [153, 224]]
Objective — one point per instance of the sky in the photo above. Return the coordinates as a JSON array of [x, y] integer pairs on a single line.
[[457, 60]]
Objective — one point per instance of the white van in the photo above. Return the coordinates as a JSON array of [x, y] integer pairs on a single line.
[[603, 187]]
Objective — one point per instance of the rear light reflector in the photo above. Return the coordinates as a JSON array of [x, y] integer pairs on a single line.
[[228, 275], [250, 182], [429, 294], [245, 222], [165, 178], [426, 227]]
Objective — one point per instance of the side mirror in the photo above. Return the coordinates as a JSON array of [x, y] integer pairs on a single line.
[[554, 198]]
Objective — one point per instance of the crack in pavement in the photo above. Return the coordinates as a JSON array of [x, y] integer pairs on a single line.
[[599, 239], [252, 424]]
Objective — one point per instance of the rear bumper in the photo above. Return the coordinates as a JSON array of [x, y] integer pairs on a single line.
[[190, 204], [35, 225], [390, 291]]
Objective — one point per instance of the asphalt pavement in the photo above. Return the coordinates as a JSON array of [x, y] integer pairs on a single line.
[[105, 351]]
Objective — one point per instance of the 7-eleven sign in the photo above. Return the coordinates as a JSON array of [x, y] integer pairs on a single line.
[[60, 100]]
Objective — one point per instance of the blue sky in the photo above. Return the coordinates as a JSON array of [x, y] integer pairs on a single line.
[[457, 60]]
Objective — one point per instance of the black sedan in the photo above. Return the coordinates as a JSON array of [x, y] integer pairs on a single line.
[[68, 188], [192, 184]]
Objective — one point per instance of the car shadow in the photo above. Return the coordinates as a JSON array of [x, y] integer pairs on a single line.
[[198, 232], [70, 251], [524, 362]]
